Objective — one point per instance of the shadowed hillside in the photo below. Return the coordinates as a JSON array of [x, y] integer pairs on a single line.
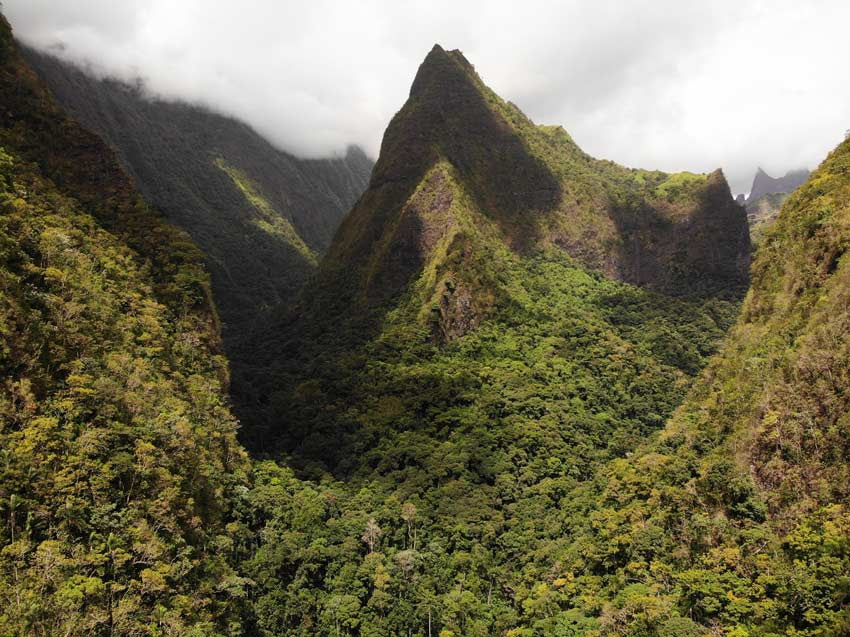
[[262, 217]]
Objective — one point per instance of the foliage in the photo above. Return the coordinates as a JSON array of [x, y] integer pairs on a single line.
[[467, 417], [491, 436], [513, 397], [118, 457], [745, 491]]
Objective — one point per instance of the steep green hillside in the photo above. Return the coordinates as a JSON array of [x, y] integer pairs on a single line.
[[119, 464], [680, 234], [492, 414], [484, 513], [260, 216], [738, 516], [473, 351]]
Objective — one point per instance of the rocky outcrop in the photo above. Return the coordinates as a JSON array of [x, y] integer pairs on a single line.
[[766, 197]]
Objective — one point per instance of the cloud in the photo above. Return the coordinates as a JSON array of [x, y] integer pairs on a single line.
[[668, 84]]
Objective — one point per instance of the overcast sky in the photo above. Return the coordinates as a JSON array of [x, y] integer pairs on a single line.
[[667, 84]]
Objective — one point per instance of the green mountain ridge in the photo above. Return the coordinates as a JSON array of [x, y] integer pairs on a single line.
[[508, 402], [466, 189], [674, 233], [465, 362], [260, 215]]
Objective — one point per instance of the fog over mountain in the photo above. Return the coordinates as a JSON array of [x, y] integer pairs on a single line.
[[663, 84]]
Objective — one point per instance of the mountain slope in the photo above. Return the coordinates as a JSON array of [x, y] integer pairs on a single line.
[[467, 360], [673, 233], [120, 464], [739, 515], [468, 189], [262, 217]]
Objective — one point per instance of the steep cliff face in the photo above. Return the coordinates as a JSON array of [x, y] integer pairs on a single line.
[[261, 217]]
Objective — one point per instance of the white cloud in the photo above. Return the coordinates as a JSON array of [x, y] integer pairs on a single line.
[[669, 84]]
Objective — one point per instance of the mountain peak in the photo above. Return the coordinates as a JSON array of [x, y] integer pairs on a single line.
[[463, 173], [441, 70]]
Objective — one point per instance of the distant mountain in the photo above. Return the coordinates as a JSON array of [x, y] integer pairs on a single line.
[[261, 216], [764, 184], [766, 197]]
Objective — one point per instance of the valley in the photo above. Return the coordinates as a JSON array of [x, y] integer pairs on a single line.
[[487, 384]]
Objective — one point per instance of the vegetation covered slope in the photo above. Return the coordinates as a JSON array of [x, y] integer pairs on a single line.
[[484, 514], [471, 398], [678, 233], [118, 457], [738, 515], [466, 196], [467, 361], [260, 216]]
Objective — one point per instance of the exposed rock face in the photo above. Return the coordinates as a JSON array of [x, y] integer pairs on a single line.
[[261, 216], [456, 314]]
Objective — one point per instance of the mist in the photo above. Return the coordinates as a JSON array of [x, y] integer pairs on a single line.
[[671, 85]]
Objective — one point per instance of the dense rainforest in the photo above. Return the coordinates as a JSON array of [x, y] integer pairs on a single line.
[[526, 392], [120, 463]]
